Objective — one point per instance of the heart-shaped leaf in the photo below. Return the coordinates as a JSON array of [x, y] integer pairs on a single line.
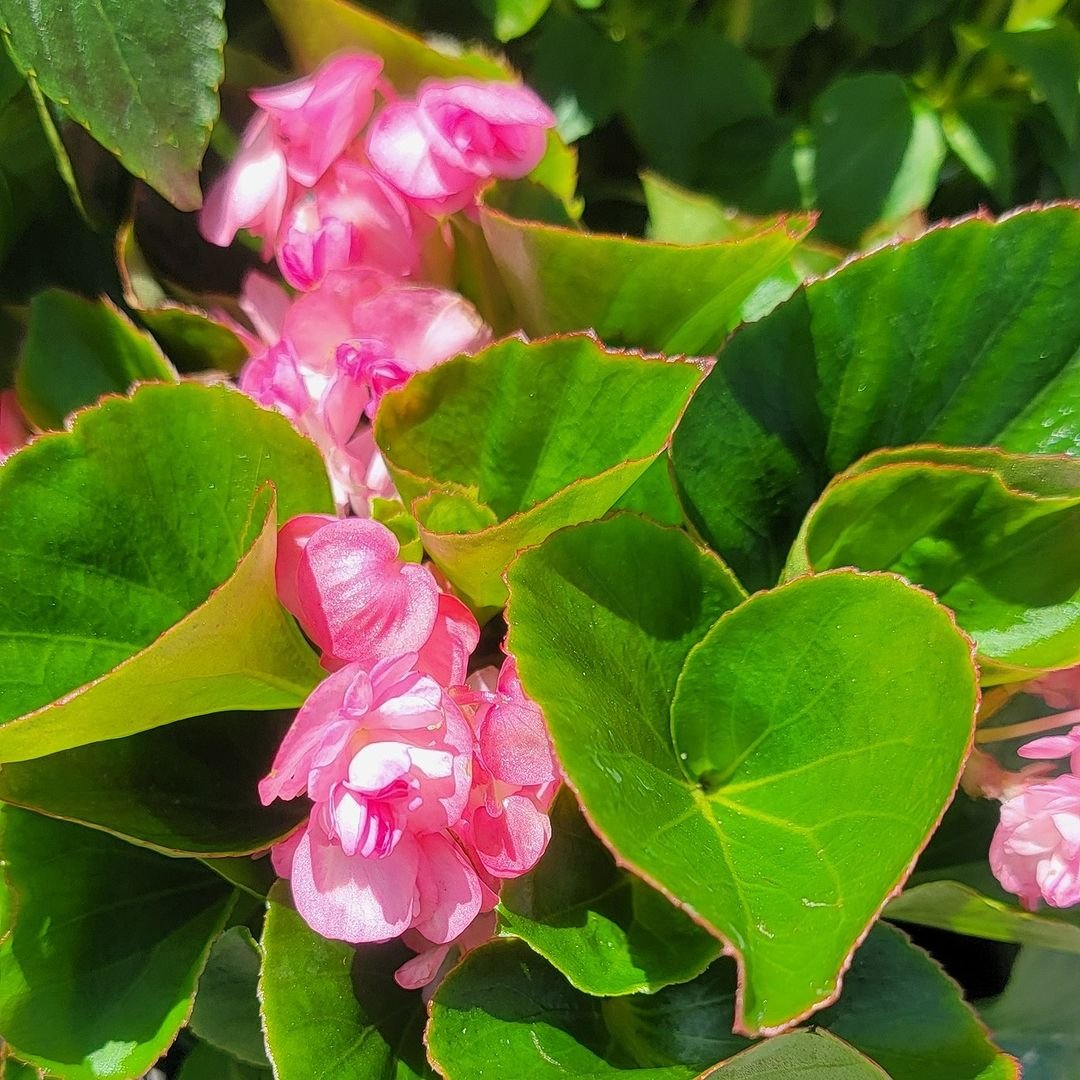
[[76, 350], [606, 930], [334, 1012], [204, 803], [493, 454], [141, 78], [135, 553], [637, 293], [926, 341], [104, 946], [782, 758], [993, 535]]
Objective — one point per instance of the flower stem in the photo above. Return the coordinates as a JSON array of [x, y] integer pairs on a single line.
[[1028, 727]]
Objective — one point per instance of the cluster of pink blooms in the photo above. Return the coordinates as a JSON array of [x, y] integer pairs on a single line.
[[428, 787], [352, 200], [1035, 852]]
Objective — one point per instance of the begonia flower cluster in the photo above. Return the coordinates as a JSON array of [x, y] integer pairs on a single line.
[[1035, 851], [348, 186], [428, 788]]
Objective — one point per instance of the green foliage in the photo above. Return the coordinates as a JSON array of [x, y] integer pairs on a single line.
[[118, 70]]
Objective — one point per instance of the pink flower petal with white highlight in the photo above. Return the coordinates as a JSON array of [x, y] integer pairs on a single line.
[[511, 844], [445, 654], [450, 891], [316, 117], [265, 303], [349, 898]]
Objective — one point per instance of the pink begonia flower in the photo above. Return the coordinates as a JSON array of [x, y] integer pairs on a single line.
[[252, 192], [1059, 689], [441, 148], [315, 118], [1051, 747], [14, 429], [351, 218], [1035, 852], [431, 959], [515, 777], [385, 757]]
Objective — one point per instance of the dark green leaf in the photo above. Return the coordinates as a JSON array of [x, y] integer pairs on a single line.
[[926, 342], [884, 22], [78, 350], [602, 927], [226, 1012], [878, 154], [137, 546], [205, 1063], [1038, 1016], [766, 24], [491, 453], [755, 824], [993, 535], [100, 966], [141, 78], [204, 802], [334, 1012], [980, 132], [634, 293]]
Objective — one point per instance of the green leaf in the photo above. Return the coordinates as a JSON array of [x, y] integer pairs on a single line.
[[701, 807], [636, 293], [226, 1012], [878, 154], [491, 454], [504, 1011], [332, 1011], [137, 554], [929, 341], [1037, 1018], [316, 29], [1025, 14], [204, 803], [1051, 57], [808, 1053], [392, 514], [884, 22], [13, 1069], [78, 350], [606, 930], [991, 534], [980, 132], [901, 1010], [513, 18], [766, 24], [141, 78], [108, 941], [203, 1062]]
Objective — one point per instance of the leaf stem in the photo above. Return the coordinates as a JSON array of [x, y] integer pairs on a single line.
[[1028, 727]]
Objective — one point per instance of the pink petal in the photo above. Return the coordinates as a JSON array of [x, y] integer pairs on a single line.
[[445, 654], [350, 898], [292, 539], [512, 843], [1052, 746], [450, 891], [416, 973]]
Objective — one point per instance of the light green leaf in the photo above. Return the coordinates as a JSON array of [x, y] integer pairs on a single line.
[[491, 453], [513, 18], [137, 553], [141, 78], [78, 350], [606, 930], [636, 293], [107, 943], [929, 341], [749, 806], [808, 1054], [980, 132], [332, 1011]]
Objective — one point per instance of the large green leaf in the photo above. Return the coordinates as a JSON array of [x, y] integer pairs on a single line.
[[334, 1012], [316, 29], [141, 78], [752, 806], [884, 22], [601, 926], [993, 535], [77, 350], [810, 1053], [1037, 1018], [205, 1062], [638, 293], [204, 803], [930, 341], [492, 453], [136, 561], [878, 154], [106, 943]]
